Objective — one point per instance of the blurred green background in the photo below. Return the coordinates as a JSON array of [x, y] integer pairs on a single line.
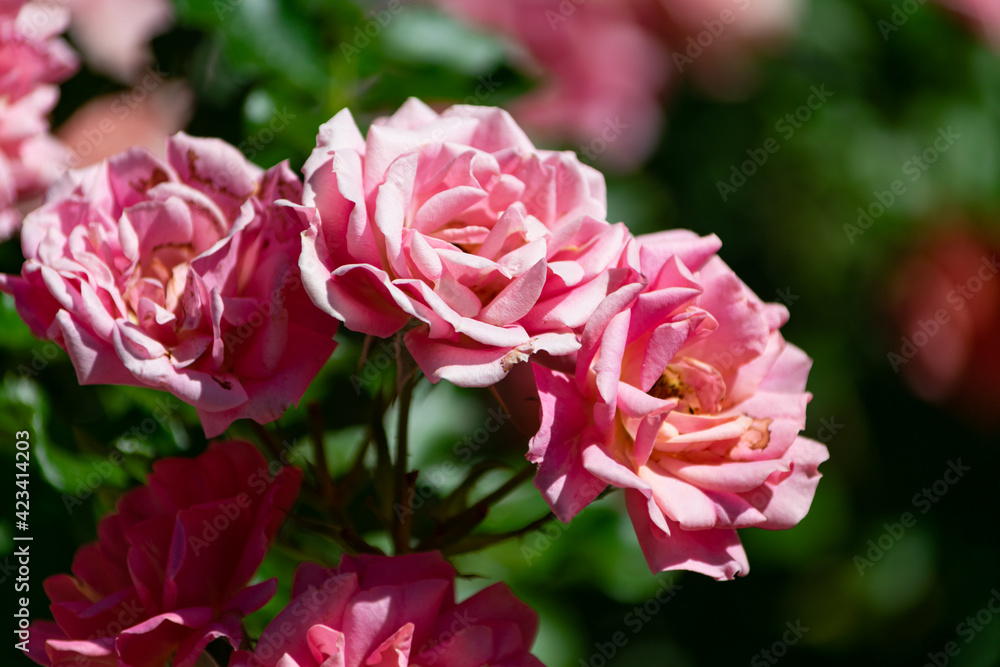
[[784, 234]]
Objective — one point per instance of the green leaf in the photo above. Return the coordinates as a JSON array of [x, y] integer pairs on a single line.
[[423, 36]]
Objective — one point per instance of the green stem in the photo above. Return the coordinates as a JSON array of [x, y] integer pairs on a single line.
[[345, 537], [477, 542], [459, 496], [350, 483], [322, 468], [273, 446], [404, 520], [363, 358], [466, 521]]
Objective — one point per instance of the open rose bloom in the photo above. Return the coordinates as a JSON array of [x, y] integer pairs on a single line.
[[177, 274], [687, 396], [32, 58], [455, 222], [170, 569], [394, 611]]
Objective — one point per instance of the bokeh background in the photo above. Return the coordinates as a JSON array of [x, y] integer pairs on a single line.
[[847, 152]]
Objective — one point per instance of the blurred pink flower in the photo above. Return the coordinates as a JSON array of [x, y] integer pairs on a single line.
[[601, 72], [398, 611], [114, 35], [111, 124], [32, 58], [170, 569], [605, 65], [984, 15], [714, 41], [180, 275], [498, 250], [945, 304], [686, 395]]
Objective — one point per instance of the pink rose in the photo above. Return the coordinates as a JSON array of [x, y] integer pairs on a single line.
[[32, 58], [714, 41], [686, 395], [179, 275], [170, 569], [496, 249], [31, 53], [398, 611]]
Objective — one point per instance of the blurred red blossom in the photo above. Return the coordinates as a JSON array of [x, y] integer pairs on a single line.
[[945, 308]]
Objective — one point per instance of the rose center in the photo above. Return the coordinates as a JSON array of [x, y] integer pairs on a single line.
[[699, 387]]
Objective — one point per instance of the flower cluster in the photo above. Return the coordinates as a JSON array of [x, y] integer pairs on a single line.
[[32, 59], [657, 369], [651, 366]]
